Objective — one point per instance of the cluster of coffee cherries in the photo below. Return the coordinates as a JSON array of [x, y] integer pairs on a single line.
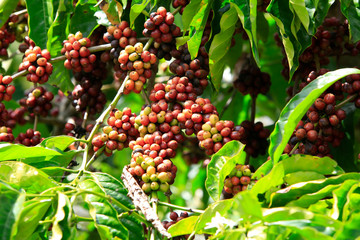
[[119, 36], [152, 174], [6, 37], [118, 133], [73, 128], [137, 63], [38, 101], [36, 61], [254, 136], [161, 27], [216, 133], [252, 81], [78, 56], [174, 218], [29, 138], [87, 95], [6, 90], [238, 180], [320, 128], [9, 118]]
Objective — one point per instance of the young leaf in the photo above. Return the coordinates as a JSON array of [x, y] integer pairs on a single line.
[[297, 107], [340, 196], [104, 215], [84, 19], [59, 29], [183, 227], [61, 225], [6, 8], [221, 164], [351, 11], [40, 19], [247, 11], [221, 45], [11, 206], [295, 163], [24, 176], [137, 7]]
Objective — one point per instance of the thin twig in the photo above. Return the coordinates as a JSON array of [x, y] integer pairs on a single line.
[[347, 100], [228, 102], [18, 13], [181, 208], [294, 148], [176, 10]]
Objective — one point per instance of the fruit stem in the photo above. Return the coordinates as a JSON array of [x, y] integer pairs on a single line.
[[253, 109], [348, 99], [18, 13], [294, 148], [181, 208], [36, 117], [228, 102], [176, 10], [145, 13]]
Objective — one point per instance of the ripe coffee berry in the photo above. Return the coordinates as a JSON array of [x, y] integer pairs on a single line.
[[29, 138], [38, 101], [6, 90], [238, 180]]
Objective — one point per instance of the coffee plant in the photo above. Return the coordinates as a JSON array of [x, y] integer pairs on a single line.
[[182, 119]]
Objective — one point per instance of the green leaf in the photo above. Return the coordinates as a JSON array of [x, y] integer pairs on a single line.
[[58, 142], [340, 196], [11, 205], [221, 45], [84, 19], [189, 13], [183, 227], [59, 29], [247, 11], [40, 19], [113, 11], [114, 188], [6, 8], [24, 176], [303, 222], [104, 215], [351, 10], [350, 229], [293, 192], [30, 217], [302, 176], [61, 77], [197, 27], [221, 164], [61, 225], [137, 7], [14, 151], [297, 107], [299, 9], [295, 163]]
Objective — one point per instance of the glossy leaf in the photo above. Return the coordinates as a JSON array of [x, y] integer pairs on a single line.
[[30, 217], [84, 19], [58, 142], [40, 19], [352, 202], [11, 206], [189, 12], [197, 27], [183, 227], [6, 8], [302, 176], [104, 215], [350, 229], [351, 11], [299, 9], [221, 45], [247, 11], [297, 107], [245, 208], [340, 196], [15, 151], [137, 7], [295, 163], [221, 164], [293, 192], [24, 176], [59, 28], [114, 188], [61, 225], [303, 222]]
